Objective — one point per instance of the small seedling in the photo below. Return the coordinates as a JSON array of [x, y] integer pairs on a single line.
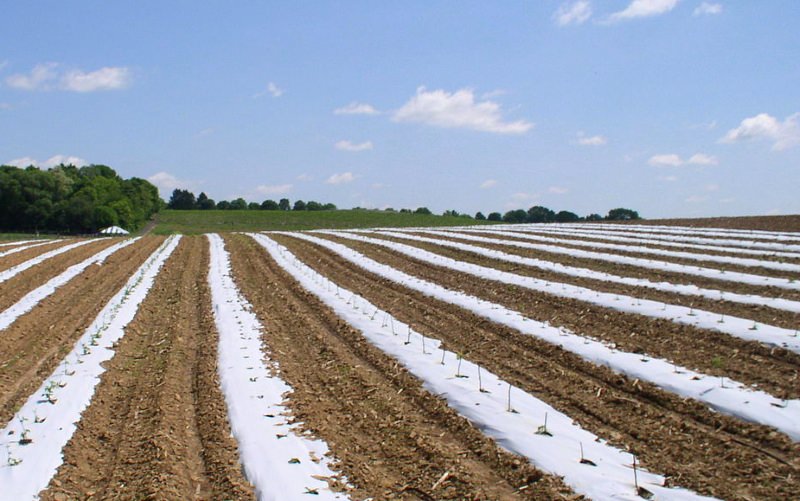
[[373, 315], [294, 461], [24, 438], [408, 338], [458, 370], [10, 460], [754, 327], [480, 382], [583, 458], [640, 491], [508, 407], [314, 492], [443, 352], [542, 430]]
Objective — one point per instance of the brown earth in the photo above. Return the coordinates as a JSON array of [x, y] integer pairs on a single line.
[[763, 223], [638, 271], [678, 437], [761, 314], [774, 370], [157, 426], [32, 347], [15, 288], [392, 438], [596, 239], [12, 260]]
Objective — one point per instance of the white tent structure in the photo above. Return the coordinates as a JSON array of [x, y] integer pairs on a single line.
[[113, 230]]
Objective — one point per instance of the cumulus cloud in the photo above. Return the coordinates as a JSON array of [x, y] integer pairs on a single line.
[[673, 160], [354, 147], [50, 162], [489, 183], [597, 140], [304, 177], [702, 159], [356, 108], [763, 126], [108, 78], [48, 76], [274, 189], [707, 9], [557, 190], [41, 77], [341, 178], [457, 110], [643, 8], [666, 160], [272, 89], [166, 183], [573, 13]]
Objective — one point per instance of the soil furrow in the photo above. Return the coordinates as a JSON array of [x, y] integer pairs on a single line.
[[674, 436], [157, 426], [392, 438], [14, 289], [775, 370], [33, 346], [22, 256], [637, 271], [762, 314], [599, 239]]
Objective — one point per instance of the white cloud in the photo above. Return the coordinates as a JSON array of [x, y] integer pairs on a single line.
[[673, 160], [668, 179], [696, 199], [3, 64], [46, 76], [304, 177], [379, 186], [64, 159], [783, 135], [489, 183], [5, 106], [712, 187], [705, 125], [342, 178], [643, 8], [40, 78], [355, 147], [355, 108], [666, 160], [166, 183], [274, 189], [557, 190], [50, 162], [272, 89], [597, 140], [707, 8], [457, 110], [573, 13], [23, 162], [702, 159], [108, 78]]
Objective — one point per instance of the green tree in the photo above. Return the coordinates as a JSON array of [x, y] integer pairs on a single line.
[[205, 203], [284, 204], [299, 205], [239, 204], [621, 214], [423, 210], [182, 200], [495, 216], [515, 216], [479, 216], [539, 214], [566, 216], [269, 205]]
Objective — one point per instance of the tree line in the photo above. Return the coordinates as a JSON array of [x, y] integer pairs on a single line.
[[69, 199], [540, 214], [185, 200]]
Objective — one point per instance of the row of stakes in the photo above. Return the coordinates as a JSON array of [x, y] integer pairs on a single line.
[[388, 321]]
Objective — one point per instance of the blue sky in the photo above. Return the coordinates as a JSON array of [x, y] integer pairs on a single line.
[[669, 107]]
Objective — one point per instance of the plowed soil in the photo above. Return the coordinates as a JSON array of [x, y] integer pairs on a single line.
[[15, 288], [599, 238], [7, 262], [774, 370], [695, 447], [157, 426], [394, 440], [762, 223], [32, 347], [762, 314]]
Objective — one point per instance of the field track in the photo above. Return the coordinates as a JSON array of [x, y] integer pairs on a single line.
[[160, 423]]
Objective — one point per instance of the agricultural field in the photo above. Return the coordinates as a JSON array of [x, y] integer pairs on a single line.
[[582, 361]]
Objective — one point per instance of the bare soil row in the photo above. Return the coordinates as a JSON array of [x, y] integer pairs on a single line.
[[33, 346], [653, 274], [20, 257], [393, 439], [762, 314], [680, 438], [775, 370], [157, 427], [760, 223], [17, 287], [599, 238]]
